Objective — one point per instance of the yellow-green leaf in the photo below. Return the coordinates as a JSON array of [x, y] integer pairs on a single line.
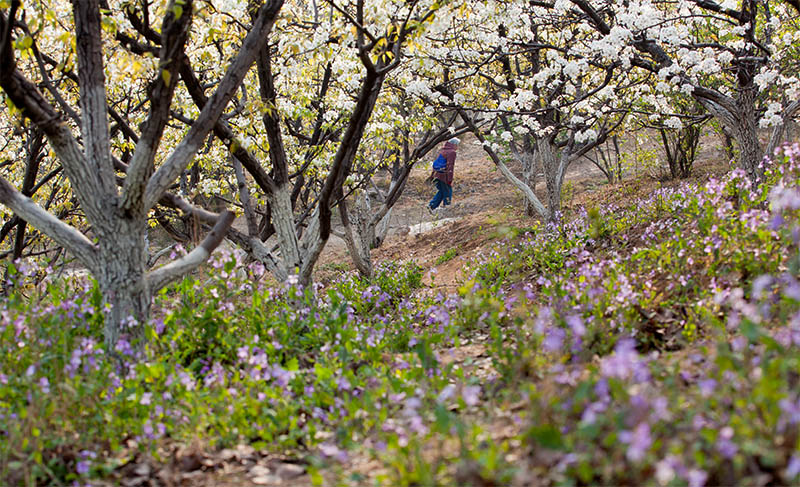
[[25, 42]]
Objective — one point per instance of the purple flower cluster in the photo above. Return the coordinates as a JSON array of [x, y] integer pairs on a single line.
[[625, 363]]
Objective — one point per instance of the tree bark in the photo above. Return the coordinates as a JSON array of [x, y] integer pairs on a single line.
[[528, 161], [283, 221], [121, 278], [554, 167], [358, 235], [750, 153]]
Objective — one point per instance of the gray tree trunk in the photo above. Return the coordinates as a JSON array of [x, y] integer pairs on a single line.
[[283, 221], [122, 279], [528, 162], [359, 233], [554, 165], [751, 154]]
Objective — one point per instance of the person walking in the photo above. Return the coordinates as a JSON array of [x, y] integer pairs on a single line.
[[443, 177]]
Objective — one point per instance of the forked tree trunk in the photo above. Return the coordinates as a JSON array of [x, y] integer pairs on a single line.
[[554, 164], [119, 220]]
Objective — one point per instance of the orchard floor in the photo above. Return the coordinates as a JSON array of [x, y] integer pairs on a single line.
[[485, 205], [485, 208]]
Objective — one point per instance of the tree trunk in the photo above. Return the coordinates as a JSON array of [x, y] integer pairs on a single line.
[[526, 190], [729, 149], [381, 230], [358, 234], [283, 221], [553, 165], [121, 275], [528, 161], [553, 199], [750, 152]]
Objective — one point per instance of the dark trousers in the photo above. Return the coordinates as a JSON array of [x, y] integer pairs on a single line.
[[443, 195]]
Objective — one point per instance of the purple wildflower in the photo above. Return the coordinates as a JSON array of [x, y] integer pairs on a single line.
[[471, 394], [82, 467], [793, 467], [725, 446], [329, 450], [707, 387], [638, 442], [696, 477], [446, 393], [343, 384], [554, 339], [576, 325], [44, 384], [790, 413], [625, 363]]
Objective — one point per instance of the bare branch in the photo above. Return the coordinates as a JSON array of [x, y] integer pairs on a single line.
[[47, 223], [174, 33], [715, 7], [174, 270], [186, 150], [93, 103]]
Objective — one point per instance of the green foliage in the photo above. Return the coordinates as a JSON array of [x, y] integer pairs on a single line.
[[447, 256], [655, 339]]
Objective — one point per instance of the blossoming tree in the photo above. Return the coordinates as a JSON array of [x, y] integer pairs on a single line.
[[115, 250], [734, 58], [549, 97], [299, 139]]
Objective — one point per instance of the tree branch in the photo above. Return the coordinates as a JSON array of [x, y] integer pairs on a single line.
[[209, 115], [223, 131], [174, 33], [25, 96], [93, 103], [162, 276], [47, 223]]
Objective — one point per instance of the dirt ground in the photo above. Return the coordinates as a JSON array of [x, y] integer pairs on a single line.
[[485, 203]]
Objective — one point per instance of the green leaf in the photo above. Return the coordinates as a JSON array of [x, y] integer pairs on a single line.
[[25, 42], [585, 472], [547, 436], [442, 418], [166, 76], [750, 331]]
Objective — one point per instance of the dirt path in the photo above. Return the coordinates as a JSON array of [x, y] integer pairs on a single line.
[[483, 203]]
